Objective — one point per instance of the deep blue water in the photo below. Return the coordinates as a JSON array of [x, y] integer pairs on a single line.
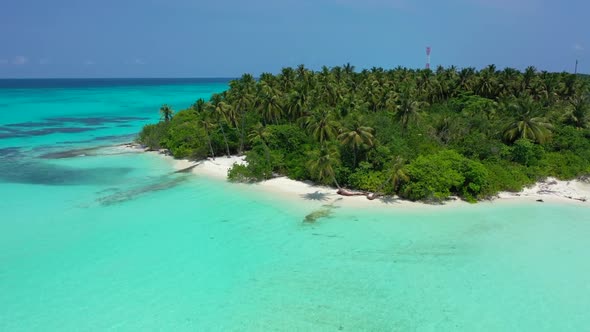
[[103, 82]]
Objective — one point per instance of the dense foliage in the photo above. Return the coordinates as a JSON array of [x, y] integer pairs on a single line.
[[421, 134]]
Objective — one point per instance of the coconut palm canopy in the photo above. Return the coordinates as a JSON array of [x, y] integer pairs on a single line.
[[418, 133]]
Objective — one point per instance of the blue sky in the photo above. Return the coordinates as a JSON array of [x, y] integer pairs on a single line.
[[224, 38]]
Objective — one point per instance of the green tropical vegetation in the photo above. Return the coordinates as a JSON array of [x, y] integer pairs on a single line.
[[421, 134], [166, 112]]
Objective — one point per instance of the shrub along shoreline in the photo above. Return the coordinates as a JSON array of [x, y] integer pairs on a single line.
[[423, 135]]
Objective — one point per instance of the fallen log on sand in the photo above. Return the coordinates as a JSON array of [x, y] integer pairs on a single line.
[[346, 192], [372, 196]]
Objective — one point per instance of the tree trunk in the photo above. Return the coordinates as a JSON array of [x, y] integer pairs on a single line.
[[243, 132], [336, 182], [209, 143], [210, 147], [224, 138], [267, 153]]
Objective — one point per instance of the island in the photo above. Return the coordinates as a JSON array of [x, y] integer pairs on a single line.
[[423, 135]]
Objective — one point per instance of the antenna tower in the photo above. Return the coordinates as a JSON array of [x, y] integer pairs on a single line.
[[428, 57]]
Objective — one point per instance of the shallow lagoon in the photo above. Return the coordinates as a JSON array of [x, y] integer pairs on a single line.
[[121, 242]]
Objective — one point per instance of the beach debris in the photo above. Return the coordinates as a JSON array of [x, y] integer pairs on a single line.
[[581, 199], [326, 235], [187, 169], [540, 200]]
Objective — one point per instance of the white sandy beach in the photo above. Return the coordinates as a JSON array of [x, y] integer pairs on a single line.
[[550, 190]]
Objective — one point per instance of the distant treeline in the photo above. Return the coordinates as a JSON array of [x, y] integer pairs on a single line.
[[420, 134]]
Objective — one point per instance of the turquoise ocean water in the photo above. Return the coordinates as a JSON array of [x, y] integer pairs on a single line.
[[93, 239]]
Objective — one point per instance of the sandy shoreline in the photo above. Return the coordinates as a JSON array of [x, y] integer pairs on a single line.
[[550, 190]]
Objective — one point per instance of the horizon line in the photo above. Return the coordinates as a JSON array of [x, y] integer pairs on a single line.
[[113, 78]]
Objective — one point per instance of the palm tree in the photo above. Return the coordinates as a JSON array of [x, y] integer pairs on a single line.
[[166, 112], [376, 96], [208, 126], [321, 125], [527, 123], [578, 113], [487, 82], [302, 72], [348, 68], [528, 78], [425, 81], [467, 79], [242, 98], [396, 173], [287, 78], [321, 164], [408, 109], [510, 81], [327, 89], [358, 137], [391, 101], [269, 105], [549, 87], [260, 135], [297, 102], [218, 108], [199, 105]]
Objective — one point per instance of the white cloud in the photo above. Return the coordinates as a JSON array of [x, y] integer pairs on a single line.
[[20, 60], [578, 47], [89, 62]]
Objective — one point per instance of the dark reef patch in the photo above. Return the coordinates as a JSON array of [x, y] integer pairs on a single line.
[[96, 121], [317, 214], [34, 124], [72, 153], [122, 138], [10, 152], [324, 212], [46, 131], [57, 175], [64, 125], [160, 184], [8, 129], [89, 121]]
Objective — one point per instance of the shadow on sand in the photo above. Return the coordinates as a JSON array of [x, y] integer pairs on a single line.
[[315, 196]]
